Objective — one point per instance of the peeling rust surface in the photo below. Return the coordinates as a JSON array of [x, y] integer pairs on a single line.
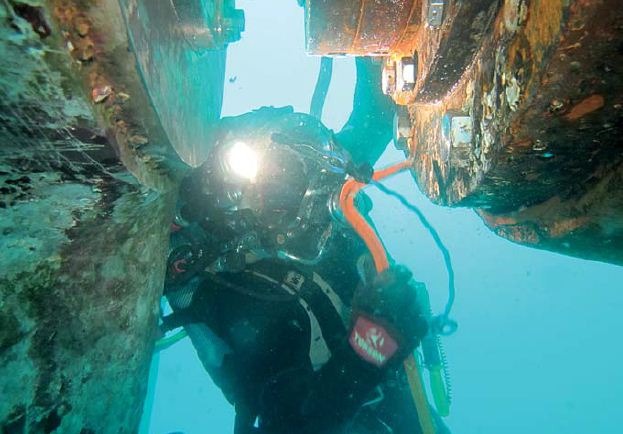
[[544, 95], [541, 86]]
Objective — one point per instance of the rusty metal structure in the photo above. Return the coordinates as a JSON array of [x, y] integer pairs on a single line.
[[88, 174], [511, 107]]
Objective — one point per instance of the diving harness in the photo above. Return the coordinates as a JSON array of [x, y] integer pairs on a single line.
[[346, 207]]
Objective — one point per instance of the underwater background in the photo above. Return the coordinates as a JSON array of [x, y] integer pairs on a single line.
[[537, 349]]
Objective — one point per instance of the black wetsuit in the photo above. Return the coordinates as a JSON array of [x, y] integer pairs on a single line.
[[274, 338], [278, 348]]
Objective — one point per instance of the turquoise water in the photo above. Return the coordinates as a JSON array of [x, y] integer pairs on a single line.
[[537, 349]]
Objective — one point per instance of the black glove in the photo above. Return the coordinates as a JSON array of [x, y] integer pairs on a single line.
[[386, 321]]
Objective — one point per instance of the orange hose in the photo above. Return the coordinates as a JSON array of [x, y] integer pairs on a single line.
[[381, 263], [359, 223]]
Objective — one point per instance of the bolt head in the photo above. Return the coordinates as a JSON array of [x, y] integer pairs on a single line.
[[456, 131], [402, 128], [406, 73], [388, 78]]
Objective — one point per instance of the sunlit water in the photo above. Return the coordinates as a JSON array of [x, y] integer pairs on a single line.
[[537, 350]]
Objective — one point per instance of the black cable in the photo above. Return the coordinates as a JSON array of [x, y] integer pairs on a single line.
[[444, 320], [322, 87]]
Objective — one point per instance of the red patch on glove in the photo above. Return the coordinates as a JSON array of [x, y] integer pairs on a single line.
[[372, 342]]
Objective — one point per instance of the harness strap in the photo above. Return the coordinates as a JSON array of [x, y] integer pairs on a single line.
[[327, 307]]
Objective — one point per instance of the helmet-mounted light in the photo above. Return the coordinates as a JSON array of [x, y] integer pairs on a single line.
[[242, 161]]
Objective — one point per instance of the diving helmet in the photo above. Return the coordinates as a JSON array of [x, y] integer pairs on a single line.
[[268, 183]]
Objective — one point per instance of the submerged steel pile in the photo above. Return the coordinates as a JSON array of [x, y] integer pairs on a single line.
[[180, 50], [512, 107], [86, 175]]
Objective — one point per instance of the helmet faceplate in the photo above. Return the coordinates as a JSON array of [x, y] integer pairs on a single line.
[[271, 176]]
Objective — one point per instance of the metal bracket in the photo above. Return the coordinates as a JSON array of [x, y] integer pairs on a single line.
[[456, 130], [435, 13]]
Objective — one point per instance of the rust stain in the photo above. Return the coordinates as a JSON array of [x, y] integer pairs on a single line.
[[99, 94], [523, 144], [519, 234], [586, 106], [563, 227], [544, 27], [502, 221], [493, 220], [92, 42]]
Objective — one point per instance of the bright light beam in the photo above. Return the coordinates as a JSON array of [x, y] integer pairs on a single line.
[[242, 161]]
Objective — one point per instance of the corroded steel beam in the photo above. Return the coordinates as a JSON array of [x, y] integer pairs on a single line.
[[515, 103], [587, 225], [357, 27]]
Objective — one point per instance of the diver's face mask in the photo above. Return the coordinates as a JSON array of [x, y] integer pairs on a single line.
[[276, 197]]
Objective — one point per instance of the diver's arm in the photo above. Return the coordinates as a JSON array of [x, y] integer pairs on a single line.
[[369, 127], [386, 327], [339, 389], [325, 400]]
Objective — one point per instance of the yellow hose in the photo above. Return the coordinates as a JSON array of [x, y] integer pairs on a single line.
[[418, 393], [438, 388]]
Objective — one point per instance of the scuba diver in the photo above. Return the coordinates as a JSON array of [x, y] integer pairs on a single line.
[[279, 295]]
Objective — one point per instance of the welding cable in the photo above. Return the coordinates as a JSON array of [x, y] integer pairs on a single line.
[[442, 323]]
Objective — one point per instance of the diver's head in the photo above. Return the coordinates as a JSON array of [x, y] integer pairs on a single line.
[[270, 179]]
